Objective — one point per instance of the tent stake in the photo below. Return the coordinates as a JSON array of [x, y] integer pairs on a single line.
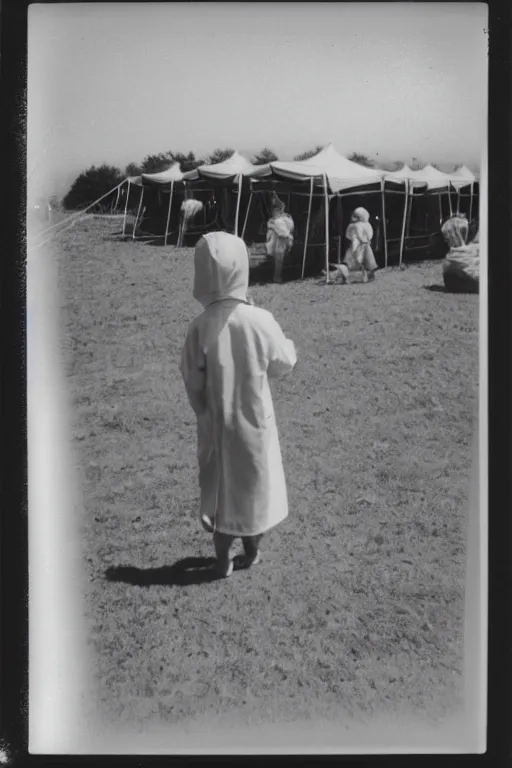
[[307, 228], [126, 207], [385, 231], [326, 199], [138, 213], [169, 212], [404, 221]]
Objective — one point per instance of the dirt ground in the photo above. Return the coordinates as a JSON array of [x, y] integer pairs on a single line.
[[357, 607]]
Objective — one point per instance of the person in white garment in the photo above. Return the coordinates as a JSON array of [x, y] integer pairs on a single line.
[[280, 228], [455, 230], [359, 254], [231, 350]]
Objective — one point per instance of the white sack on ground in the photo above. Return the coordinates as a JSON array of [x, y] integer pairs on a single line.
[[461, 269]]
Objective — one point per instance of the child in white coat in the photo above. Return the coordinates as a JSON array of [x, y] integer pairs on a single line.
[[230, 352], [359, 254]]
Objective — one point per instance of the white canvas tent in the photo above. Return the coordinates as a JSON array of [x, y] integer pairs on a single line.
[[403, 174], [341, 173], [135, 181], [163, 179], [330, 170], [228, 170], [427, 179], [432, 177], [436, 181], [232, 170], [461, 178]]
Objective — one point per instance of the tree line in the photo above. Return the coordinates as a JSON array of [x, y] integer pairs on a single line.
[[96, 181]]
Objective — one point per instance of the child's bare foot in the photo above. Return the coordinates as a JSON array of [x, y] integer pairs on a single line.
[[224, 569], [252, 560]]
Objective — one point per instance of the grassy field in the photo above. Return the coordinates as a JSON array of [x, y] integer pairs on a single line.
[[358, 605]]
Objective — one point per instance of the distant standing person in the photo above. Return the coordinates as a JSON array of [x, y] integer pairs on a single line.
[[230, 352], [359, 255], [280, 229]]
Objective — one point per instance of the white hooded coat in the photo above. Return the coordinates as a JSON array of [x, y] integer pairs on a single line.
[[230, 351], [360, 233]]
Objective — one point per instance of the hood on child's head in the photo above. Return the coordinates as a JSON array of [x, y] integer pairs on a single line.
[[360, 214], [221, 266]]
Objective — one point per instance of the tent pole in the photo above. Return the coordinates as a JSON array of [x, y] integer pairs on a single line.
[[326, 201], [126, 207], [440, 210], [450, 200], [307, 228], [238, 202], [340, 227], [247, 211], [180, 230], [169, 212], [181, 225], [385, 232], [117, 197], [411, 200], [138, 213], [471, 204], [404, 221]]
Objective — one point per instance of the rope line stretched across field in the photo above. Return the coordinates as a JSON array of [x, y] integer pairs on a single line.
[[74, 216]]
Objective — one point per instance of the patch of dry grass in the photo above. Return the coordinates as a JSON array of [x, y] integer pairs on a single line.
[[358, 605]]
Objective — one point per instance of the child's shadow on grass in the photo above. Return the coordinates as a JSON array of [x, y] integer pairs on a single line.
[[189, 570]]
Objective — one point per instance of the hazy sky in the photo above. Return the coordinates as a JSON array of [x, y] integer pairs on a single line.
[[114, 82]]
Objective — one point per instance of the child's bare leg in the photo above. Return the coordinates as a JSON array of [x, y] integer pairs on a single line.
[[251, 547], [365, 275], [278, 268], [222, 543]]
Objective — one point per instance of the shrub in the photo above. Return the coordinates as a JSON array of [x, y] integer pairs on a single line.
[[308, 154], [265, 155], [356, 157], [91, 185], [132, 169], [219, 155], [156, 163]]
